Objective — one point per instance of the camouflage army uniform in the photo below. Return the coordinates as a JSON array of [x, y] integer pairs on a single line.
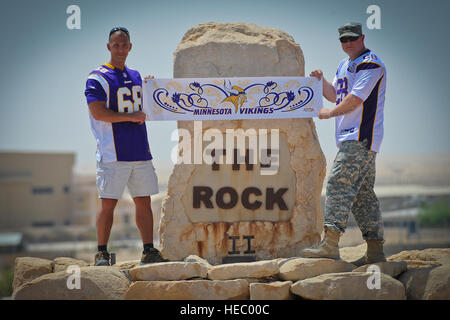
[[350, 188]]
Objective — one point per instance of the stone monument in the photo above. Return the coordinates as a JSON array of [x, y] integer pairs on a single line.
[[232, 212]]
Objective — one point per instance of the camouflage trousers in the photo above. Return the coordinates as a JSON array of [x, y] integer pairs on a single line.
[[350, 188]]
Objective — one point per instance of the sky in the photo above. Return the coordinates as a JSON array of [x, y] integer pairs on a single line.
[[45, 65]]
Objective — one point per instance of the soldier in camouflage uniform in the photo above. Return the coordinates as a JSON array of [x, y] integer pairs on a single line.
[[358, 90], [350, 188]]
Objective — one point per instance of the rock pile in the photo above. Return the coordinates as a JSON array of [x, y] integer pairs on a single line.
[[407, 275]]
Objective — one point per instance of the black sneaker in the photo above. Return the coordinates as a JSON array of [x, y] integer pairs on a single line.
[[102, 258], [152, 256]]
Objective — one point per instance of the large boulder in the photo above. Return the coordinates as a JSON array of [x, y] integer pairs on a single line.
[[428, 274], [429, 283], [244, 50], [426, 258], [237, 50], [96, 283], [260, 269], [62, 263], [303, 268], [438, 284], [277, 290], [392, 268], [189, 290], [28, 268], [169, 271], [129, 264], [348, 286]]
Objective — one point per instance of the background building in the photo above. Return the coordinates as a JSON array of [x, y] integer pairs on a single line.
[[87, 203], [35, 189]]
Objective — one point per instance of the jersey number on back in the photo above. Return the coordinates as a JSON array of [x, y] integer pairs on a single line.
[[342, 89], [127, 101]]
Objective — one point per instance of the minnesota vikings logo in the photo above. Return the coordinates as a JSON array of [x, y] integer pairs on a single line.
[[236, 96], [352, 67]]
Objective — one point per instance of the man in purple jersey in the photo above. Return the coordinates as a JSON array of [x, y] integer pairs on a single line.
[[113, 93]]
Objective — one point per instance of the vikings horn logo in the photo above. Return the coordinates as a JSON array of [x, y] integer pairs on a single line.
[[237, 95]]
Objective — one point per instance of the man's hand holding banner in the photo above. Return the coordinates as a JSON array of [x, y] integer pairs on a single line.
[[232, 98]]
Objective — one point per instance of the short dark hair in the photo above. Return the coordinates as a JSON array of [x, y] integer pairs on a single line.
[[115, 29]]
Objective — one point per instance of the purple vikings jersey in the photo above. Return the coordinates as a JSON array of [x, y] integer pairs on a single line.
[[121, 90]]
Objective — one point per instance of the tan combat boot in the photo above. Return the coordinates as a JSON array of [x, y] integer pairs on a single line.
[[374, 253], [327, 248]]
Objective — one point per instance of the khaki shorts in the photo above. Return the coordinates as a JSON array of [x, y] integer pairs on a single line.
[[139, 176]]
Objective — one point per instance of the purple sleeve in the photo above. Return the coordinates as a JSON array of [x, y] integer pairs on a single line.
[[94, 91]]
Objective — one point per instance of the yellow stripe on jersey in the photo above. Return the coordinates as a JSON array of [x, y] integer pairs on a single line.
[[109, 66], [369, 62]]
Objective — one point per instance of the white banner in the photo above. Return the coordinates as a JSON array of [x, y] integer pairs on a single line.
[[232, 98]]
